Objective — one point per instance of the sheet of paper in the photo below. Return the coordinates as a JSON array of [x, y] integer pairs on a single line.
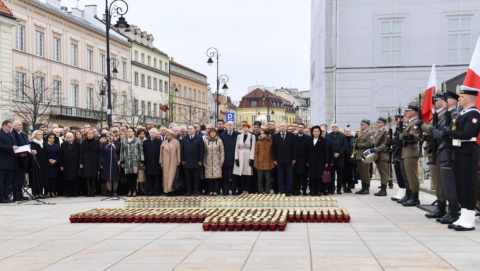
[[22, 149]]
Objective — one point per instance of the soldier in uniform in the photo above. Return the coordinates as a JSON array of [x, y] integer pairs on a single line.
[[410, 138], [440, 209], [467, 154], [380, 146], [447, 174], [363, 143]]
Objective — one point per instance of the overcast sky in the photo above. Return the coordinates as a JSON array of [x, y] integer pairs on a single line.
[[260, 41]]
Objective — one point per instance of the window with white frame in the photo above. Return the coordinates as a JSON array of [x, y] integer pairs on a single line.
[[114, 103], [135, 107], [89, 59], [253, 104], [149, 82], [166, 67], [135, 56], [160, 65], [56, 49], [73, 95], [184, 92], [149, 108], [459, 39], [148, 60], [56, 92], [154, 83], [90, 98], [73, 54], [160, 86], [20, 37], [135, 78], [190, 93], [142, 80], [143, 58], [155, 110], [39, 86], [391, 42], [143, 108], [124, 70], [101, 64], [39, 43], [166, 86], [124, 104], [155, 63], [20, 86]]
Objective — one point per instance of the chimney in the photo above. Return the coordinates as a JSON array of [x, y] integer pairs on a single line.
[[77, 13], [55, 3], [89, 12]]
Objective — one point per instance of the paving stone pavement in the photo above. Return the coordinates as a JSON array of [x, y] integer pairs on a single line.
[[382, 235]]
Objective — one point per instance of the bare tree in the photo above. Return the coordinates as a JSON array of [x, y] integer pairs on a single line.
[[190, 112], [30, 99]]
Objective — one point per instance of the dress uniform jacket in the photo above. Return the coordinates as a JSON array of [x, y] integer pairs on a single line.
[[410, 148], [364, 142], [380, 140], [426, 127]]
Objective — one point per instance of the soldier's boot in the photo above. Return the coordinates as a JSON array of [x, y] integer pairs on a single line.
[[365, 189], [451, 216], [382, 192], [408, 195], [439, 212], [390, 184], [361, 190], [413, 201]]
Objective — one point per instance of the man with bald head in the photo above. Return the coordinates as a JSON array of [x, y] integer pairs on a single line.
[[284, 150], [69, 164], [58, 133], [21, 161]]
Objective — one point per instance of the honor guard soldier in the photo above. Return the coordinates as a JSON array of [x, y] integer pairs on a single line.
[[361, 144], [434, 166], [444, 158], [467, 154], [410, 152], [380, 146]]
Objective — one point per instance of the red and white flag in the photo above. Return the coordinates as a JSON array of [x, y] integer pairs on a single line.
[[427, 105], [472, 80]]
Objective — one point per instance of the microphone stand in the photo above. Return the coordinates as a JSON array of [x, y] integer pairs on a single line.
[[35, 177]]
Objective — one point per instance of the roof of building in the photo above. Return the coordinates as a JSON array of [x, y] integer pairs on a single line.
[[257, 94], [150, 48], [4, 10], [172, 62], [74, 18]]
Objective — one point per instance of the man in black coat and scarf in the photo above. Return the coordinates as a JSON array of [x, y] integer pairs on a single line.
[[7, 160], [229, 139], [151, 152], [300, 179], [21, 161], [70, 164]]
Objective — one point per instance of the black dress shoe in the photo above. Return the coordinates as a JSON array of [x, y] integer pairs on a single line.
[[439, 212], [287, 194], [339, 192], [460, 228], [448, 219], [413, 201], [451, 226]]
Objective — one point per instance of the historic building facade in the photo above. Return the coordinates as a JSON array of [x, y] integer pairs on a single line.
[[7, 24], [60, 56], [189, 104]]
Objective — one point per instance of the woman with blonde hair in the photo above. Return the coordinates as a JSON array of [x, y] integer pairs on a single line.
[[79, 136], [169, 161], [214, 158], [244, 155]]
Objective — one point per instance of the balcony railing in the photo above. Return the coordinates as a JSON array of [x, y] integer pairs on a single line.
[[69, 112]]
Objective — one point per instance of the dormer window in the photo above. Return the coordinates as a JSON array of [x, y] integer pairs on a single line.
[[253, 104]]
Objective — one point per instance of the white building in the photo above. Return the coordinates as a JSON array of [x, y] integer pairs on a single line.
[[7, 22], [367, 57]]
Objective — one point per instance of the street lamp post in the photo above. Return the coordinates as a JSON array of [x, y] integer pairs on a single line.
[[112, 10], [268, 106], [213, 52], [175, 91]]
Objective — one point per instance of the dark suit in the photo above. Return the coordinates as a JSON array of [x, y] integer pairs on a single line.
[[70, 161], [284, 151], [317, 157], [300, 179], [7, 163], [192, 152], [22, 164], [151, 152], [229, 180], [339, 145]]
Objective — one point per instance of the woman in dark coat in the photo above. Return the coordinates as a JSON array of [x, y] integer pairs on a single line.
[[40, 165], [53, 158], [70, 164], [89, 152], [110, 163], [317, 160]]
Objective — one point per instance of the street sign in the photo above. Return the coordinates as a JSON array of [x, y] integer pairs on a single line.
[[230, 117]]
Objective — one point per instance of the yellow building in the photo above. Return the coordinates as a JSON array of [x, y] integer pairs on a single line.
[[264, 105], [189, 103]]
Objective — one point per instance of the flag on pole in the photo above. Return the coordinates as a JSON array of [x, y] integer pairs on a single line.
[[427, 105], [472, 80]]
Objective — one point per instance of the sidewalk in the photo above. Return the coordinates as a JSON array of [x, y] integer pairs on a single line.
[[382, 235]]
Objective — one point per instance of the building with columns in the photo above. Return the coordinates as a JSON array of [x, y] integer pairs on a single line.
[[367, 57], [63, 55]]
